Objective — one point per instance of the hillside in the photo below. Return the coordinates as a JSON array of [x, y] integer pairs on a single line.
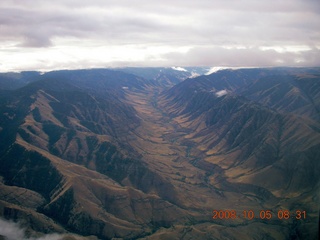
[[116, 154]]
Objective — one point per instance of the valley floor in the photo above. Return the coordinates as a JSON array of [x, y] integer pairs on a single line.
[[105, 154], [167, 146]]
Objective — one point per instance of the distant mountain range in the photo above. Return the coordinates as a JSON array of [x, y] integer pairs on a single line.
[[150, 153]]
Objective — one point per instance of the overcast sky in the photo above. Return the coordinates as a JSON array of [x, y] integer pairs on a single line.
[[60, 34]]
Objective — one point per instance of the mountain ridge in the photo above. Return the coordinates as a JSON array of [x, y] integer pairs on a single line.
[[120, 156]]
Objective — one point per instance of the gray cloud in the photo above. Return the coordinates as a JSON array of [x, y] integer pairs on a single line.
[[13, 231], [229, 29], [245, 57]]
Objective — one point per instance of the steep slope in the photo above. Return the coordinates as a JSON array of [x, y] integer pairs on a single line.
[[109, 154], [81, 117], [289, 90], [295, 93], [82, 200], [250, 136], [242, 121], [231, 126]]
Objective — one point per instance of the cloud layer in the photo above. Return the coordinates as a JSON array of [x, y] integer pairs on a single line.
[[71, 34]]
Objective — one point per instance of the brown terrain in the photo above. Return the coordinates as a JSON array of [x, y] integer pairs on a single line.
[[107, 155]]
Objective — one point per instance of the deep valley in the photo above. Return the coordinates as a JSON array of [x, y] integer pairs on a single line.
[[150, 153]]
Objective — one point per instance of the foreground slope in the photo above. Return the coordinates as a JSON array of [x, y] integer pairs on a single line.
[[108, 154]]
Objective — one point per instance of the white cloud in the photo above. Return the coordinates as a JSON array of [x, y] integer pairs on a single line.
[[179, 69], [69, 33], [13, 231], [194, 75], [215, 69], [240, 58], [221, 93]]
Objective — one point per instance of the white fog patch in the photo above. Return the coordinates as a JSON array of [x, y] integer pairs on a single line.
[[179, 69], [221, 93], [194, 75], [215, 69], [13, 231]]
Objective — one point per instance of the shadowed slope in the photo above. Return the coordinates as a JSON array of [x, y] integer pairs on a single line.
[[104, 153]]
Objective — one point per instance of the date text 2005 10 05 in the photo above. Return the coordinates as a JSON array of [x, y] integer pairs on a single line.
[[262, 214]]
